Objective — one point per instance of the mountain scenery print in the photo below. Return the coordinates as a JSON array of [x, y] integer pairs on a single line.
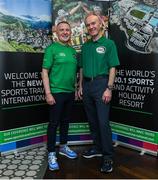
[[23, 26]]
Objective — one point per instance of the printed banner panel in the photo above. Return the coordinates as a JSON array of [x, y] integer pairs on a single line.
[[22, 95], [25, 30], [134, 27]]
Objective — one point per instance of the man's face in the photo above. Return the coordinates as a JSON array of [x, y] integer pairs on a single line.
[[63, 32], [93, 25]]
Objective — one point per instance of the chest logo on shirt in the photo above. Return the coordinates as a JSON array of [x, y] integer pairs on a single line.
[[101, 50], [62, 54]]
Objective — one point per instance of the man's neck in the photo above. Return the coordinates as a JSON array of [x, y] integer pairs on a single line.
[[64, 43], [95, 38]]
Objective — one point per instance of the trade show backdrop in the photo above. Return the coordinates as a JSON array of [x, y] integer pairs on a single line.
[[25, 31]]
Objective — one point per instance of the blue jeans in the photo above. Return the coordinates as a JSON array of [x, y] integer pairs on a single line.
[[60, 114], [98, 115]]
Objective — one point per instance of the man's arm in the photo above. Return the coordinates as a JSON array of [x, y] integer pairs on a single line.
[[112, 75], [49, 98], [75, 8], [80, 93], [107, 95], [85, 9]]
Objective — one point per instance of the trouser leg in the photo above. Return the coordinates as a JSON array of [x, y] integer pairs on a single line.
[[55, 115], [66, 117], [103, 120], [105, 130], [90, 109]]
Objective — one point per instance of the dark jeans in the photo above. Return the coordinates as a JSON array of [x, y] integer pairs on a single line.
[[98, 115], [60, 114]]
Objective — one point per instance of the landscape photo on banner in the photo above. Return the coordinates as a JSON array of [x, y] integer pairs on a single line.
[[23, 26]]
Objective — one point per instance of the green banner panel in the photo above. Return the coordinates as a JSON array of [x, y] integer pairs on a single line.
[[134, 132], [38, 130]]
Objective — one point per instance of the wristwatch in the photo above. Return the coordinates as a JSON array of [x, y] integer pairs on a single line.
[[110, 87]]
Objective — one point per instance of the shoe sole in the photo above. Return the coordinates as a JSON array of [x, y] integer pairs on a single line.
[[53, 169], [108, 171], [96, 155], [67, 155]]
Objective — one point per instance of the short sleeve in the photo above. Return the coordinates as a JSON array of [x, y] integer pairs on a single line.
[[113, 56], [48, 58]]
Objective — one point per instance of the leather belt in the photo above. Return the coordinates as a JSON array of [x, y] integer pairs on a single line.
[[95, 78]]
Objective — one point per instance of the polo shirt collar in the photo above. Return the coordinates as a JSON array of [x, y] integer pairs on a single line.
[[100, 40], [62, 44]]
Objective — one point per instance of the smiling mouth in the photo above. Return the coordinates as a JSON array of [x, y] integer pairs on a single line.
[[92, 31], [65, 37]]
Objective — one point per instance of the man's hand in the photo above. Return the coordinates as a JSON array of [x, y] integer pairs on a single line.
[[76, 95], [80, 93], [107, 95], [50, 99]]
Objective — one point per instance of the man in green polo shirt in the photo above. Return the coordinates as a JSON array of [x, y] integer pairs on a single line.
[[59, 78], [97, 74]]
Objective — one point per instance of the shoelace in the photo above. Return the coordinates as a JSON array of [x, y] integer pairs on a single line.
[[68, 149], [108, 162], [52, 159]]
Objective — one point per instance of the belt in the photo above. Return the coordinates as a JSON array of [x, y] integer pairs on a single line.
[[95, 78]]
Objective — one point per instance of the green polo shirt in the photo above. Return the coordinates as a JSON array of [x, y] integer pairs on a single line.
[[97, 57], [61, 62]]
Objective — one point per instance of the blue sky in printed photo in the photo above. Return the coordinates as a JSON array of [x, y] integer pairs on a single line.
[[35, 8]]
